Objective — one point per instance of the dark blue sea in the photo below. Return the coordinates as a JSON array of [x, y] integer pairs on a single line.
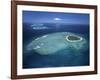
[[32, 59]]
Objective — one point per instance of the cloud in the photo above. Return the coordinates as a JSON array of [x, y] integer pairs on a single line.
[[57, 19]]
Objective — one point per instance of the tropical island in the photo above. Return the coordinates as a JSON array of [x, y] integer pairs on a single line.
[[73, 38]]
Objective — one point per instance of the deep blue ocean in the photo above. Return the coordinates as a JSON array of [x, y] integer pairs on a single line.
[[31, 59]]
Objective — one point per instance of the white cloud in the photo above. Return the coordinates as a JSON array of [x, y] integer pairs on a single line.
[[57, 19]]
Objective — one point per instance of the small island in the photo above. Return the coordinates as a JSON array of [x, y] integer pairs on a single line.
[[73, 38]]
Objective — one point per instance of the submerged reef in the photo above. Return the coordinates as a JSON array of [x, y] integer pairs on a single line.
[[38, 26], [54, 42]]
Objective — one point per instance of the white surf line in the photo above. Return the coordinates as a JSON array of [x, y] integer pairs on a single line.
[[37, 38], [44, 36], [37, 47]]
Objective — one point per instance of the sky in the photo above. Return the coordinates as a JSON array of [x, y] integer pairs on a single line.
[[55, 17]]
